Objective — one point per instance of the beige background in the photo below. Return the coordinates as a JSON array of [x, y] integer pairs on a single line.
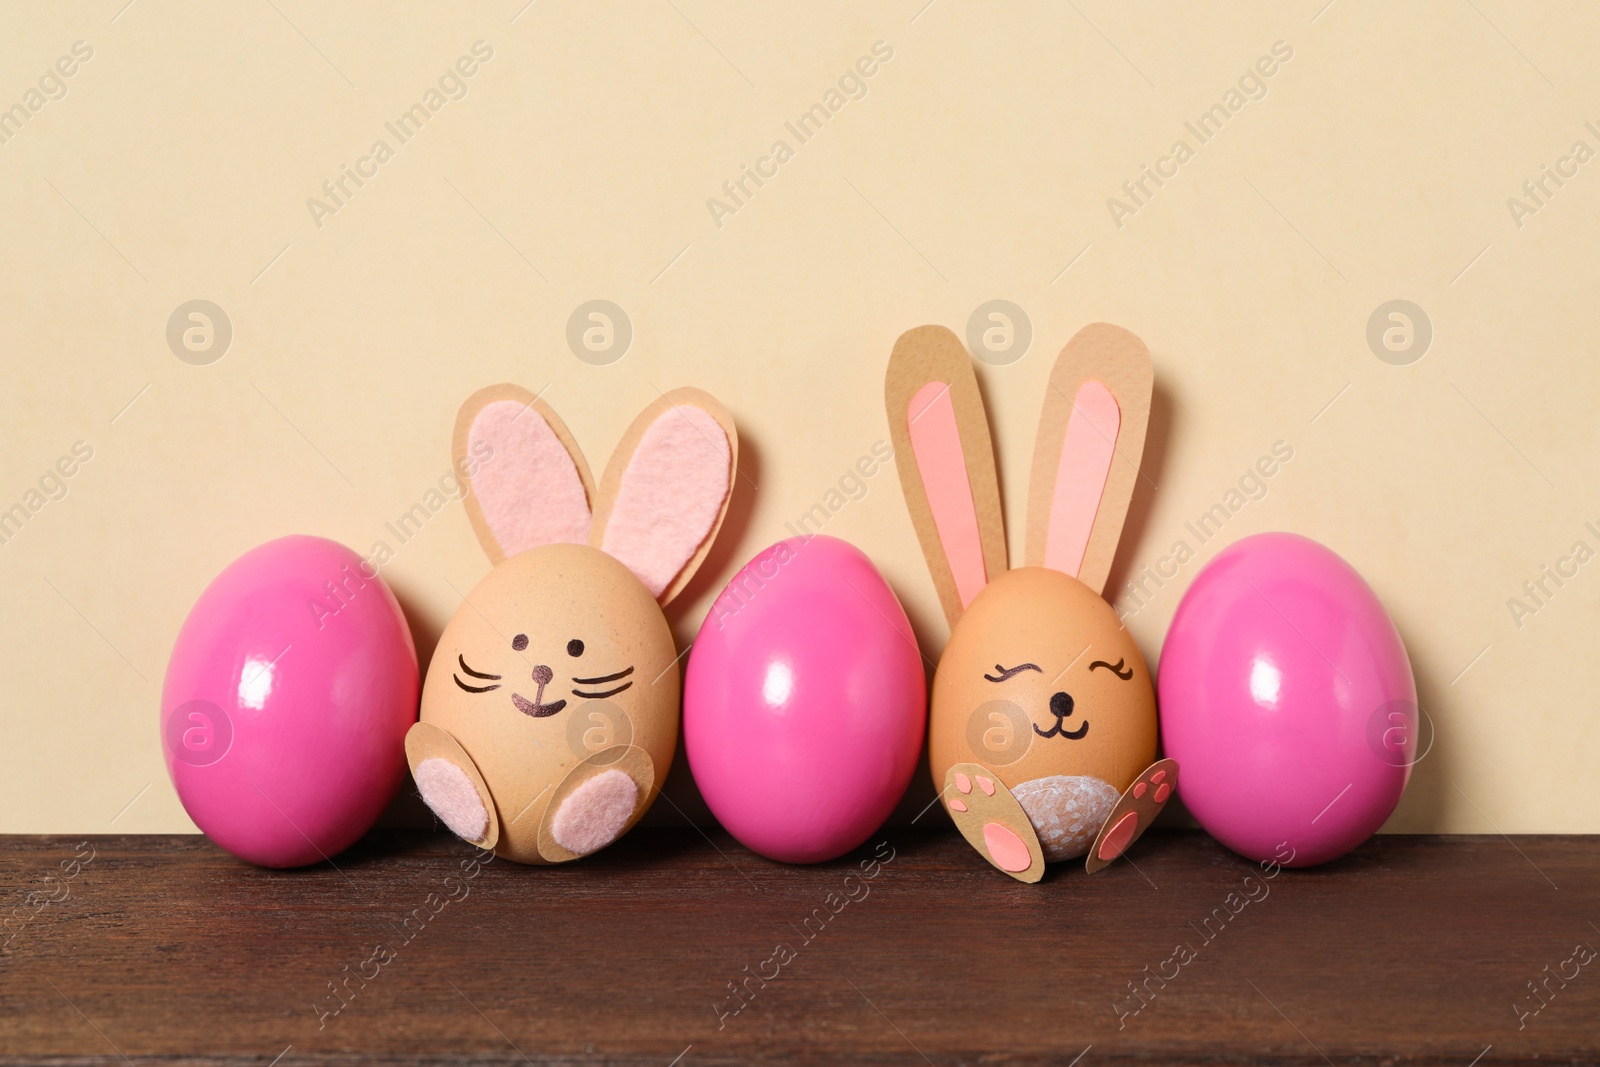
[[977, 166]]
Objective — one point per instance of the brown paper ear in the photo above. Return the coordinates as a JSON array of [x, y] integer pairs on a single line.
[[946, 463], [1086, 457], [666, 489], [527, 481]]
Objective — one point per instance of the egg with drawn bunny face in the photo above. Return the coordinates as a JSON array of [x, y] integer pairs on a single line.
[[1043, 721], [1042, 683], [550, 710], [537, 683]]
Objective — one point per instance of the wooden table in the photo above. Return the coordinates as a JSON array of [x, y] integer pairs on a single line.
[[1413, 950]]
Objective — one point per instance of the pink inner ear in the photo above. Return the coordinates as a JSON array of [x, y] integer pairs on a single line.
[[670, 496], [936, 443], [1087, 450], [528, 487]]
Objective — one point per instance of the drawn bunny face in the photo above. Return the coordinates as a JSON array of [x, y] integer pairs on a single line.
[[1040, 688], [1040, 679], [550, 711]]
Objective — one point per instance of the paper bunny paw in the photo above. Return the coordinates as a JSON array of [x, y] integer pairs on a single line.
[[992, 821], [1134, 813]]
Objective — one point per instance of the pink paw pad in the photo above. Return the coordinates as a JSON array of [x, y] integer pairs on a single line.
[[1009, 852], [987, 785], [1134, 813], [963, 783], [594, 814], [957, 804], [447, 790], [1119, 836]]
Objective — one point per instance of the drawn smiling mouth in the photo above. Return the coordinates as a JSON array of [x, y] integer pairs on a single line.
[[1058, 731], [1061, 706], [536, 707], [537, 710]]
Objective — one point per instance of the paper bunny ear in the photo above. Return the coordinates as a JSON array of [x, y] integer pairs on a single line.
[[946, 462], [527, 481], [666, 490], [1086, 457]]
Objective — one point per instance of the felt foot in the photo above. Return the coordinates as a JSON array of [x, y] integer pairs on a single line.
[[1134, 813], [992, 821], [451, 785], [595, 813], [596, 803], [450, 793]]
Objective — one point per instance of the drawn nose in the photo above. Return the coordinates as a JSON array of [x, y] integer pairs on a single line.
[[1061, 705], [543, 674]]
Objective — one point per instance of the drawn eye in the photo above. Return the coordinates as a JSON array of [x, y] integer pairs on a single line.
[[574, 648], [519, 642], [1118, 668], [1002, 673]]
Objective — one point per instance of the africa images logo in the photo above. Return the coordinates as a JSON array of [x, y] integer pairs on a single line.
[[198, 733]]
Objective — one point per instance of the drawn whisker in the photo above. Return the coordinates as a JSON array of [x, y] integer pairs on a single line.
[[475, 688], [476, 674], [603, 678], [602, 696]]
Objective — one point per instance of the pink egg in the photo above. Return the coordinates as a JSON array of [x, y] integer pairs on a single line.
[[1287, 699], [805, 703], [286, 703]]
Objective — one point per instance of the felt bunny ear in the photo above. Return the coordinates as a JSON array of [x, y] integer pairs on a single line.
[[946, 463], [527, 481], [666, 490], [1086, 457]]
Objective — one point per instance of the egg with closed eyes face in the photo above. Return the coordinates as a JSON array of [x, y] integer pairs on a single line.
[[559, 659], [1043, 723], [1043, 684]]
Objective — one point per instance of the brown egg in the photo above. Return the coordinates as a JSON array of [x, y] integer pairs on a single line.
[[550, 711], [556, 662], [1041, 679], [1043, 721]]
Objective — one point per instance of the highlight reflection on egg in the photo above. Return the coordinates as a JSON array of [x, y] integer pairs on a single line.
[[1266, 681]]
